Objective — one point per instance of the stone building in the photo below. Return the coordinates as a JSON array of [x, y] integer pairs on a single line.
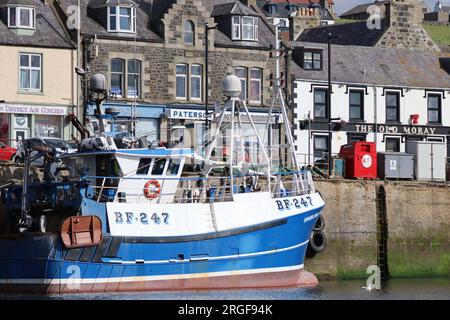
[[363, 11], [279, 12], [440, 14], [153, 56], [400, 28], [37, 83]]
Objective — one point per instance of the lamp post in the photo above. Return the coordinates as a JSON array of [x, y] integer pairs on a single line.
[[207, 28], [330, 88]]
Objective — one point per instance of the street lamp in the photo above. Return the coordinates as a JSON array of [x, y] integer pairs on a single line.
[[207, 28], [330, 88]]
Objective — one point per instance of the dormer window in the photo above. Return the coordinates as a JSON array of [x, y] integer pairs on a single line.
[[291, 7], [244, 28], [312, 60], [121, 19], [272, 8], [21, 17]]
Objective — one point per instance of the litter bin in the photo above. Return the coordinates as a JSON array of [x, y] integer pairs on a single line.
[[360, 160]]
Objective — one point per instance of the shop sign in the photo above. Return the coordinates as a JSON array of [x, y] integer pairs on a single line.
[[200, 115], [413, 130], [187, 114], [31, 109]]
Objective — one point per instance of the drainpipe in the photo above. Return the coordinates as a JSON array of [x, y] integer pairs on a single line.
[[375, 116]]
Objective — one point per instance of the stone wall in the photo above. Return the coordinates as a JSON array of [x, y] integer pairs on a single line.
[[159, 59], [418, 223], [404, 27]]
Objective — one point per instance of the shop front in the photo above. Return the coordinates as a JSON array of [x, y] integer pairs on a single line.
[[21, 121], [185, 127], [140, 120]]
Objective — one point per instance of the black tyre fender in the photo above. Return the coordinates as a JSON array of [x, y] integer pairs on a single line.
[[320, 193], [318, 241], [320, 224]]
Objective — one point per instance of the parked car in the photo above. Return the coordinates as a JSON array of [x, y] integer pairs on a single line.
[[61, 146], [6, 152]]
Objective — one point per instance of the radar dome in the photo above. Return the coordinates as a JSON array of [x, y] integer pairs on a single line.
[[231, 86], [97, 83]]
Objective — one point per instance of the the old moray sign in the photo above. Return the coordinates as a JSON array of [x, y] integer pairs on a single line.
[[382, 128]]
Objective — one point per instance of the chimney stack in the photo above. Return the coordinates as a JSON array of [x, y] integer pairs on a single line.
[[305, 18]]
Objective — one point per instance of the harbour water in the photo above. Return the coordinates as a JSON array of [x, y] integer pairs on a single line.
[[398, 289]]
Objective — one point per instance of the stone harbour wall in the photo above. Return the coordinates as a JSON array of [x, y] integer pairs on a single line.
[[418, 224]]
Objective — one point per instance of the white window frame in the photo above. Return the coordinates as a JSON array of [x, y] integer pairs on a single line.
[[254, 26], [30, 68], [185, 76], [117, 17], [200, 77], [191, 32], [243, 79], [31, 17], [138, 84], [236, 28], [122, 77], [258, 80]]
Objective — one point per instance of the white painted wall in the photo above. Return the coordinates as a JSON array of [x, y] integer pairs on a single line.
[[413, 102]]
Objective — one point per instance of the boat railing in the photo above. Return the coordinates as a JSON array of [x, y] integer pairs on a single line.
[[201, 189]]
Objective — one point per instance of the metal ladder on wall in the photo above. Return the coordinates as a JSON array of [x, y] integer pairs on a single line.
[[382, 233]]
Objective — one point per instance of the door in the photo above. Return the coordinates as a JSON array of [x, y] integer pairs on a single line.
[[20, 128]]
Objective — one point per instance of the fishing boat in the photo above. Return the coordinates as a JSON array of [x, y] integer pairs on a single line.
[[159, 218]]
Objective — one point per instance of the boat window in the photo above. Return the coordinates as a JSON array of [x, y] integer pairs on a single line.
[[144, 165], [158, 167], [174, 167]]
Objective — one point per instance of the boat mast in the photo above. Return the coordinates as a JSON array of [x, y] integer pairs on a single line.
[[277, 97]]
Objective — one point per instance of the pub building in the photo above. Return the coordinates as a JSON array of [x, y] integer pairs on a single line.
[[386, 96]]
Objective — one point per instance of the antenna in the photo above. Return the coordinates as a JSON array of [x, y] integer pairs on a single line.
[[277, 98]]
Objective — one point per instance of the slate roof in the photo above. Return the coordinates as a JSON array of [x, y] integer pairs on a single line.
[[355, 33], [282, 8], [90, 26], [379, 66], [233, 8], [362, 8], [104, 3], [150, 12], [17, 2], [49, 33]]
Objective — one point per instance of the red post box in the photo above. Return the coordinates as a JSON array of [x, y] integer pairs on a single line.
[[360, 160]]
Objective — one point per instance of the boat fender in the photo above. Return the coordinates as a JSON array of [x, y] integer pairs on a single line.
[[152, 189], [318, 241], [320, 224], [43, 224], [320, 194]]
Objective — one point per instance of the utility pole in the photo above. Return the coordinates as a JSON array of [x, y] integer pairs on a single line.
[[207, 28], [330, 87], [330, 90]]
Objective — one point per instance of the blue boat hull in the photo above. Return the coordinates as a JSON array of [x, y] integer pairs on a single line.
[[266, 255]]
